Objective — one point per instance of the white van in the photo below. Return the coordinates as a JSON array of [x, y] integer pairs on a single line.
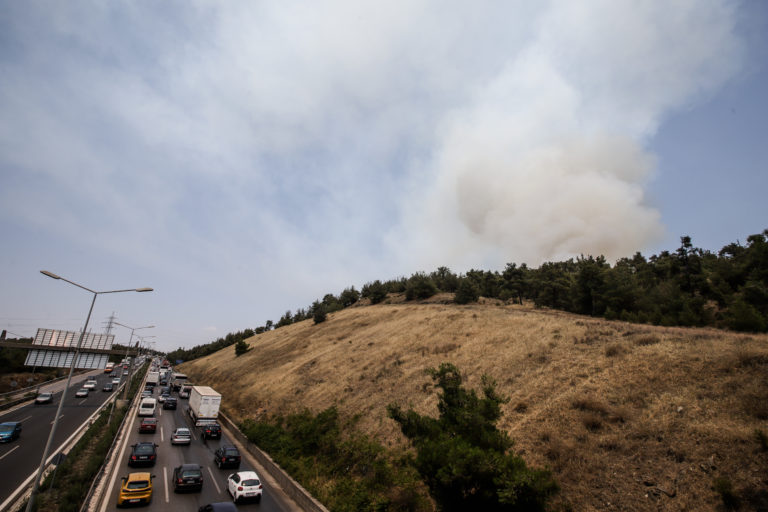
[[147, 407]]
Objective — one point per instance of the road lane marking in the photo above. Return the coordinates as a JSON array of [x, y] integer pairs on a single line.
[[213, 479], [8, 452], [165, 481], [24, 419], [162, 436], [59, 418], [81, 403]]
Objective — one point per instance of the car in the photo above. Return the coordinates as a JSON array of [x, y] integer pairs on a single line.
[[108, 387], [44, 398], [222, 506], [136, 488], [184, 393], [82, 393], [146, 394], [227, 456], [9, 431], [244, 485], [170, 403], [181, 435], [148, 426], [116, 381], [211, 431], [147, 407], [143, 454], [90, 384], [188, 477], [162, 398], [165, 390]]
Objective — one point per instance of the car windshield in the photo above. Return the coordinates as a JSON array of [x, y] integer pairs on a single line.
[[144, 448], [181, 431], [251, 482], [137, 484], [44, 395], [149, 421], [6, 428], [191, 473]]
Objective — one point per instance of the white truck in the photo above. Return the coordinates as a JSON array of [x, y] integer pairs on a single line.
[[153, 378], [204, 402]]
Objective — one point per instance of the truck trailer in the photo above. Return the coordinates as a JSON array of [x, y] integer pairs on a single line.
[[204, 404]]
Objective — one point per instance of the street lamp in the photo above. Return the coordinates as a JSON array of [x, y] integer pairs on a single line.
[[69, 378], [133, 359]]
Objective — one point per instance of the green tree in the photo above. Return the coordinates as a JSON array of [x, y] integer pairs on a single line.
[[320, 315], [419, 286], [349, 296], [241, 347], [464, 459], [467, 292], [374, 291]]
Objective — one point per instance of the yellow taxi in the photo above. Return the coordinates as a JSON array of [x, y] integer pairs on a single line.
[[136, 488]]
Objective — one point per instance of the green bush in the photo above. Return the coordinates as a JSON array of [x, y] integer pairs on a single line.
[[466, 462], [241, 347], [345, 472]]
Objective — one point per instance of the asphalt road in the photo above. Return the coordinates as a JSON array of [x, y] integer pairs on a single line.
[[169, 456], [21, 457]]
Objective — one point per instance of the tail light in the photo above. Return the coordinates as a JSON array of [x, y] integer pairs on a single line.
[[240, 488], [180, 481], [133, 457], [151, 457]]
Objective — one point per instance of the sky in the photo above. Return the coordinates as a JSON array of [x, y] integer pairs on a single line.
[[246, 158]]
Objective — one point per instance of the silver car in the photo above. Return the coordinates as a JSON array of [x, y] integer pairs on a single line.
[[181, 435]]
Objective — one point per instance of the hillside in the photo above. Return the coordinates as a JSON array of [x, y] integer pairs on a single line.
[[628, 416]]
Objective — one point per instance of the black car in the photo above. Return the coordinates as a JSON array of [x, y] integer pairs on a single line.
[[108, 387], [212, 431], [188, 477], [227, 456], [143, 454], [170, 403]]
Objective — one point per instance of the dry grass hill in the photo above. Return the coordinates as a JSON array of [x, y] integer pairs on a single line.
[[628, 417]]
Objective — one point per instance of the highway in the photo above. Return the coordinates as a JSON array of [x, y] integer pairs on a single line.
[[21, 458], [169, 456]]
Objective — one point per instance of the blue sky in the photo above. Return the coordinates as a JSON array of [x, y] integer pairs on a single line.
[[246, 158]]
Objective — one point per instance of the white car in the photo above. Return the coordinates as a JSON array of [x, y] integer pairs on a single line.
[[181, 435], [244, 485], [82, 393], [116, 381], [91, 384]]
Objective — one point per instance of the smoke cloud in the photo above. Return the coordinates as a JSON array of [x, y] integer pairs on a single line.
[[548, 158]]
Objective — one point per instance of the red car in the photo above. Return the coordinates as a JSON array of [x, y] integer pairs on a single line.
[[148, 426]]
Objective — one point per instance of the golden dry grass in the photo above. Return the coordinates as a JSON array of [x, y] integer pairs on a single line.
[[629, 417]]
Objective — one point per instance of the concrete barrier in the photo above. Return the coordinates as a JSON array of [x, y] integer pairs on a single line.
[[290, 486]]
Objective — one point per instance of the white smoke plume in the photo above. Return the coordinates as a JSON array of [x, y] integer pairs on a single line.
[[548, 158]]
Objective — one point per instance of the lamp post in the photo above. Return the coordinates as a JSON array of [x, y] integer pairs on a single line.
[[133, 359], [69, 378]]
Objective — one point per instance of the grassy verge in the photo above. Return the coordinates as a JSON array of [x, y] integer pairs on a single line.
[[65, 490], [345, 473]]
